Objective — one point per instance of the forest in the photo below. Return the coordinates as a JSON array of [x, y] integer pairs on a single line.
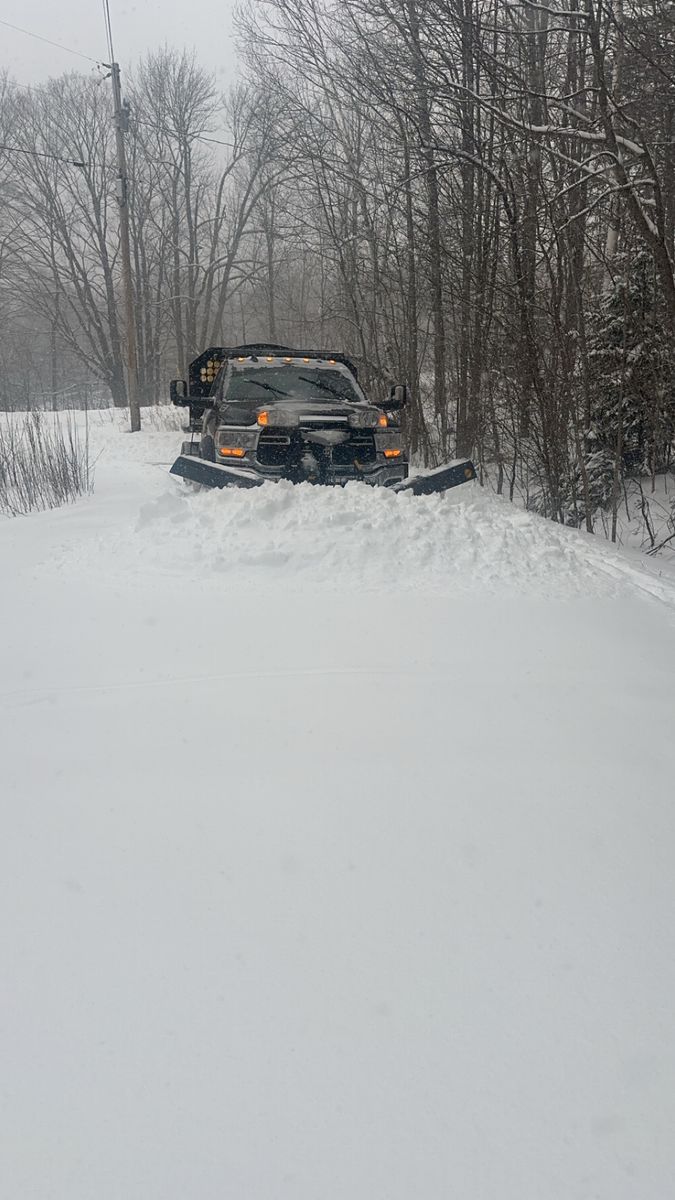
[[473, 197]]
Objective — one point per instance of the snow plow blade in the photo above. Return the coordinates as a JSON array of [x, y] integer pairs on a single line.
[[211, 474], [219, 475], [450, 475]]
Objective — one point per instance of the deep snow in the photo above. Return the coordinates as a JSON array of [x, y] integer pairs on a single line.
[[337, 848]]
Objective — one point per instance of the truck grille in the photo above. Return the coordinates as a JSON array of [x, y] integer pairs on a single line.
[[274, 447], [360, 447]]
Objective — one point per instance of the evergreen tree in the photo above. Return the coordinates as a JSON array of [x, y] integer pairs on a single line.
[[631, 376]]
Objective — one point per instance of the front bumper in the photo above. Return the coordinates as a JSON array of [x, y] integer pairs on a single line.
[[220, 475]]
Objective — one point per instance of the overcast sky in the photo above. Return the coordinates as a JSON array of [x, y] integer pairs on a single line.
[[138, 26]]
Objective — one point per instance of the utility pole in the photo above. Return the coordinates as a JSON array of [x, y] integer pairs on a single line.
[[121, 119]]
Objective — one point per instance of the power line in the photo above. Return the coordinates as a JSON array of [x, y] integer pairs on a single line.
[[26, 87], [59, 45], [108, 29], [74, 162], [198, 137], [216, 141]]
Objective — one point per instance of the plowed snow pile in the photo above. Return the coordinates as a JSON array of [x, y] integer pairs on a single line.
[[361, 537], [337, 848]]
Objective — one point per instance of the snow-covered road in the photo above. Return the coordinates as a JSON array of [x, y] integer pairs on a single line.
[[337, 854]]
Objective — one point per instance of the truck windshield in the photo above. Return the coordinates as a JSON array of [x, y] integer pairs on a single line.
[[292, 380]]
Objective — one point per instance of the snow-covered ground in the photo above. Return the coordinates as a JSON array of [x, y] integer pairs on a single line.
[[646, 518], [337, 855]]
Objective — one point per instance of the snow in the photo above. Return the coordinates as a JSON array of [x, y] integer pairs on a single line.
[[337, 847], [654, 499]]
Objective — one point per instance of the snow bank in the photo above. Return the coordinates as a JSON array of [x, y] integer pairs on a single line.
[[337, 849], [357, 537]]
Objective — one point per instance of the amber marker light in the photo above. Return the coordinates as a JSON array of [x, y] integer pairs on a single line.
[[382, 421], [231, 451], [263, 418], [393, 453]]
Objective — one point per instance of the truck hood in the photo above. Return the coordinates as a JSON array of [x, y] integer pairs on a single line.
[[293, 412]]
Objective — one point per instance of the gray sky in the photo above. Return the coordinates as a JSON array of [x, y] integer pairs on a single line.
[[138, 26]]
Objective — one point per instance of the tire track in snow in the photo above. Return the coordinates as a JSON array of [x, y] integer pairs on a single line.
[[44, 694]]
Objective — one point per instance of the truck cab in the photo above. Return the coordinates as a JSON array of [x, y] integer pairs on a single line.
[[269, 412]]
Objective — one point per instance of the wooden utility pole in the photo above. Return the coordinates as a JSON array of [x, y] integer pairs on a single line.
[[121, 119]]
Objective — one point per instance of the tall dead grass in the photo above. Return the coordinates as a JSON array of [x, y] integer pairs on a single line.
[[44, 461]]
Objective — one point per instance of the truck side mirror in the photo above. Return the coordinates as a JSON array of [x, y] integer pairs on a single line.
[[398, 396], [178, 391]]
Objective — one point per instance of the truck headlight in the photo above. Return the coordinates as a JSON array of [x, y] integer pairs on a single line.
[[363, 418], [235, 440]]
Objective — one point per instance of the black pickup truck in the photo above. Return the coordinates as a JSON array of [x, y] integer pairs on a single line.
[[264, 412]]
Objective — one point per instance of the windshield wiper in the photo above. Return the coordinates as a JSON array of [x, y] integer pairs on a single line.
[[325, 387], [269, 387]]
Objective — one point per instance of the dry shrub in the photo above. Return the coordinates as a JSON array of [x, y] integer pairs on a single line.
[[44, 461]]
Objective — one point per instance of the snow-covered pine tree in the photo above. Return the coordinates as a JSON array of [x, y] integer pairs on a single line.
[[631, 376]]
